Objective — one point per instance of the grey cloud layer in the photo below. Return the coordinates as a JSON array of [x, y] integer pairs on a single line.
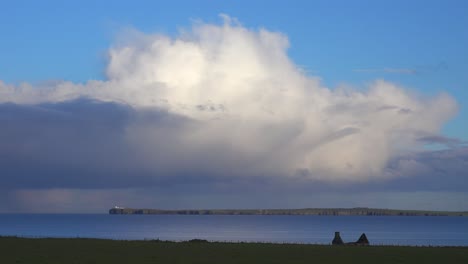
[[89, 144]]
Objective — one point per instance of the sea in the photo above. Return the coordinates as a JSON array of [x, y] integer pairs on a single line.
[[380, 230]]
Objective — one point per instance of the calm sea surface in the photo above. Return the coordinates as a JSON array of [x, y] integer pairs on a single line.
[[393, 230]]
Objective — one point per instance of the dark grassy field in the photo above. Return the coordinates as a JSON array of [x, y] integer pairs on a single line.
[[22, 250]]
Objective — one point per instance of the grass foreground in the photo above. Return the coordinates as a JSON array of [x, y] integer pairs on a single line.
[[78, 250]]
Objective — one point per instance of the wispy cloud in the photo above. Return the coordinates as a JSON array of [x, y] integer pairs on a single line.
[[388, 70], [443, 140]]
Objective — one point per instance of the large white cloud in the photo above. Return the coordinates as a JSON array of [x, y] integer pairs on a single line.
[[247, 109]]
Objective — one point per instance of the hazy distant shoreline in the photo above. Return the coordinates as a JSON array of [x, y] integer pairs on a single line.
[[305, 211]]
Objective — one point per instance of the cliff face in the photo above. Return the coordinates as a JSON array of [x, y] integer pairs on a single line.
[[121, 211], [307, 211]]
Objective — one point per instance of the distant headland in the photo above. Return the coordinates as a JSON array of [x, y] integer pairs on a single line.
[[305, 211]]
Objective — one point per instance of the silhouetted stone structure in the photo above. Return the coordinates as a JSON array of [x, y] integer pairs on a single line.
[[362, 240], [337, 239]]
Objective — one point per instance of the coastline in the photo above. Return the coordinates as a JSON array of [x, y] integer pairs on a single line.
[[303, 211]]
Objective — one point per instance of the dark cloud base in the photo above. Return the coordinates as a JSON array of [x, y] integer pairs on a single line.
[[84, 144]]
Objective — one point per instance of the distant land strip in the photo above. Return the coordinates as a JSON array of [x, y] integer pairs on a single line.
[[304, 211]]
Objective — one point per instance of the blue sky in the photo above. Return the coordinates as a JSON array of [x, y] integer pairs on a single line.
[[55, 40], [75, 142]]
